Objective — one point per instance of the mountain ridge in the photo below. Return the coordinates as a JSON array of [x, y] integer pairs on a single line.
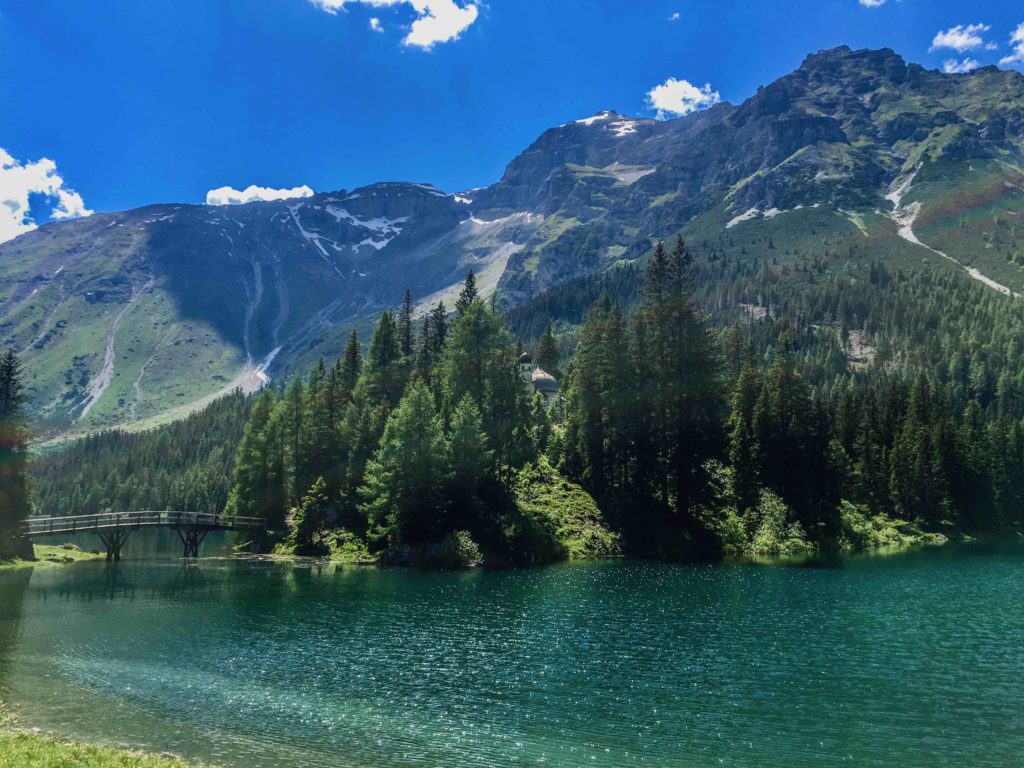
[[162, 306]]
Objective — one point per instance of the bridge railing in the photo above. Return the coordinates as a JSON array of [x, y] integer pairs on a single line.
[[41, 526]]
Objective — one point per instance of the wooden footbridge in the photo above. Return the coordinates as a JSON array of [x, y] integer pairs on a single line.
[[113, 528]]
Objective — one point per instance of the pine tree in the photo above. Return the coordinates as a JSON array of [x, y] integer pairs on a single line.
[[384, 373], [468, 295], [744, 452], [311, 517], [15, 488], [405, 325], [351, 366], [403, 493], [547, 352], [438, 329], [478, 361], [257, 491]]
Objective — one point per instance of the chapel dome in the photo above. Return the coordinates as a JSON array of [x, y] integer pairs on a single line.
[[543, 381]]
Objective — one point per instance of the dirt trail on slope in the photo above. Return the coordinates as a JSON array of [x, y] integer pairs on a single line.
[[99, 384], [905, 216]]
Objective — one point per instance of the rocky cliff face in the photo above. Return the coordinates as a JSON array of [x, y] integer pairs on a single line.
[[125, 316]]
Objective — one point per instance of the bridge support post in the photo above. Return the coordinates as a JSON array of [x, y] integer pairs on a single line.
[[114, 540], [191, 536]]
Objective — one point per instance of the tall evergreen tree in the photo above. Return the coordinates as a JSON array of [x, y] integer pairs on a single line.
[[405, 324], [403, 493], [15, 488], [351, 366], [468, 295], [547, 352], [257, 490]]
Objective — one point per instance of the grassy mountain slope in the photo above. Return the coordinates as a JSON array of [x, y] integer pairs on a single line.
[[853, 159]]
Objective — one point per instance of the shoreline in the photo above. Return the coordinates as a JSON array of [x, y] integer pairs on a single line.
[[50, 555], [20, 746]]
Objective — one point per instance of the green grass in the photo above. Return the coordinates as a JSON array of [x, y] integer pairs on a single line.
[[48, 555], [21, 748]]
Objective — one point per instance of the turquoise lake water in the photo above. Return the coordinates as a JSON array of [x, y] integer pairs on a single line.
[[908, 660]]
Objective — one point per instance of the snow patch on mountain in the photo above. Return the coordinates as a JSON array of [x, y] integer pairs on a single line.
[[622, 128], [598, 118]]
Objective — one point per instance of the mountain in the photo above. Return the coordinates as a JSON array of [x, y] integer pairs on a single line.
[[856, 157]]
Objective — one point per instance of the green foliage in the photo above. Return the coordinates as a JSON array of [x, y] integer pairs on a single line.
[[15, 486], [777, 532], [311, 518], [457, 550], [563, 517], [862, 531], [403, 494], [186, 465], [644, 409]]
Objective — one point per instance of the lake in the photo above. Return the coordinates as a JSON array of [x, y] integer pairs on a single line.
[[909, 660]]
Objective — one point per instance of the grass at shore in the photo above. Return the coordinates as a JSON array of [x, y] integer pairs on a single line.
[[20, 748], [53, 554]]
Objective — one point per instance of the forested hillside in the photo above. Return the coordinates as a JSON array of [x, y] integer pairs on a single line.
[[185, 465], [769, 436]]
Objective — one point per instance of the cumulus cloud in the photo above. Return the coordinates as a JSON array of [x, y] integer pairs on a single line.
[[375, 25], [1016, 58], [680, 97], [675, 16], [252, 193], [873, 3], [22, 183], [962, 37], [437, 21], [957, 67]]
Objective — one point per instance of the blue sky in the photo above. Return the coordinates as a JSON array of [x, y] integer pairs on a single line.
[[163, 100]]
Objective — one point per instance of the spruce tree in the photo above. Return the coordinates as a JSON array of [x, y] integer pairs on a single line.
[[402, 496], [15, 488], [468, 295], [438, 329], [311, 517], [351, 366], [405, 325], [547, 352]]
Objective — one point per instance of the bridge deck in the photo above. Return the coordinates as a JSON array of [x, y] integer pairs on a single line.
[[126, 521]]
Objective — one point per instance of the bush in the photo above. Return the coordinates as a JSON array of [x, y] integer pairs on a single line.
[[860, 530], [458, 550], [776, 533]]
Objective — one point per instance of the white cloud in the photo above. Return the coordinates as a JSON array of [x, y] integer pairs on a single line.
[[675, 16], [681, 97], [1017, 43], [437, 21], [956, 67], [20, 182], [252, 193], [375, 25], [872, 3], [963, 37]]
